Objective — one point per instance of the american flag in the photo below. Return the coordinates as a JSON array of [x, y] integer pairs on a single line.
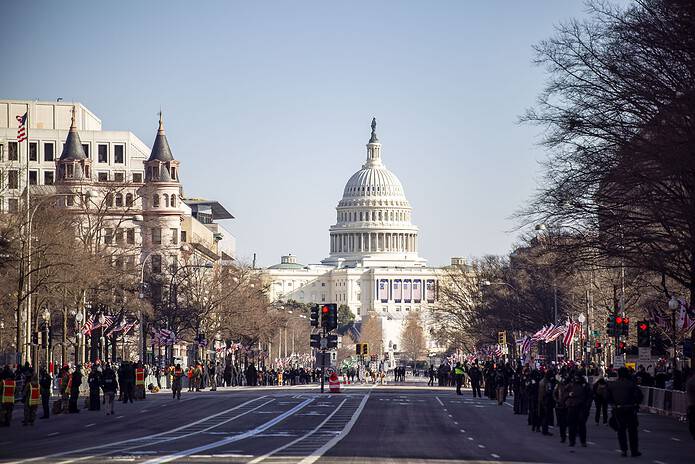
[[108, 322], [22, 129], [554, 333], [526, 346], [88, 326], [540, 335], [572, 329]]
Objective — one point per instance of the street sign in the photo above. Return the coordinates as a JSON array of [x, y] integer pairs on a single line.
[[618, 361], [645, 354]]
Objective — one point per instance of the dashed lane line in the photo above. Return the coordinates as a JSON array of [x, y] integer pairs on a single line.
[[496, 456], [53, 434], [232, 439], [311, 459], [481, 446], [675, 439], [317, 428], [90, 425], [440, 401], [136, 442]]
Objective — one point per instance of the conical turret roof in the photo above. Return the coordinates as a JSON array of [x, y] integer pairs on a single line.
[[72, 150], [160, 148]]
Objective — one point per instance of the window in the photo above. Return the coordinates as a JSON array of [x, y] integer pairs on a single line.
[[156, 264], [137, 177], [183, 236], [119, 236], [86, 171], [174, 263], [12, 179], [2, 154], [85, 147], [130, 236], [119, 176], [166, 200], [12, 205], [70, 170], [33, 151], [155, 201], [119, 154], [119, 200], [130, 262], [33, 177], [48, 177], [173, 173], [129, 199], [69, 200], [175, 236], [103, 177], [156, 236], [173, 200], [12, 151], [103, 153], [108, 236], [109, 200], [48, 151]]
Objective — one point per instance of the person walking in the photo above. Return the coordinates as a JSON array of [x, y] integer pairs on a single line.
[[560, 397], [475, 376], [578, 402], [546, 402], [176, 384], [212, 373], [458, 375], [32, 397], [94, 382], [45, 383], [109, 384], [74, 389], [600, 402], [625, 396]]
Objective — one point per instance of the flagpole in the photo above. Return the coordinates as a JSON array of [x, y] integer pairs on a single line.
[[27, 218]]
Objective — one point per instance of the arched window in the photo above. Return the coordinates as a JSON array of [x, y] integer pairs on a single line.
[[109, 200], [166, 200], [119, 200], [155, 200], [173, 200], [129, 199]]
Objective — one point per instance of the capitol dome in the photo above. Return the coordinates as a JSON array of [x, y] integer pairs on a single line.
[[373, 217]]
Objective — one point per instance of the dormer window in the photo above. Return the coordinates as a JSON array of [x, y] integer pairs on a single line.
[[70, 172], [173, 173]]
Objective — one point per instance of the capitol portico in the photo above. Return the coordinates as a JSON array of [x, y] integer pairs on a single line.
[[373, 265]]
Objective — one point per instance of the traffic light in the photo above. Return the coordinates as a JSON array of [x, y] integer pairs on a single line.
[[361, 348], [610, 327], [332, 341], [329, 316], [314, 318], [502, 338], [620, 349], [625, 327], [643, 334], [598, 348], [35, 338], [315, 340]]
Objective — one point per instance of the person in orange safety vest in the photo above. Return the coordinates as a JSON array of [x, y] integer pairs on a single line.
[[7, 389], [32, 398]]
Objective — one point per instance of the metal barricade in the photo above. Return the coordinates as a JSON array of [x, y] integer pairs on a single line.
[[667, 402]]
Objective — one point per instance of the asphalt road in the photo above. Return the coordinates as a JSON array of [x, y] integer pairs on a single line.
[[294, 424]]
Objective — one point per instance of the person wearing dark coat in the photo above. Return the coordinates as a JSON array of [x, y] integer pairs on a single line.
[[546, 403], [75, 390], [599, 390], [475, 375], [534, 419], [94, 382], [109, 385], [578, 402], [625, 396], [45, 382]]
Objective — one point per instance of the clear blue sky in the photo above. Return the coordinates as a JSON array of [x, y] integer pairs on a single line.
[[268, 104]]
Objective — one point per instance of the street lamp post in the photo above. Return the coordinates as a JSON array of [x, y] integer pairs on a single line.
[[46, 316], [78, 336], [673, 305]]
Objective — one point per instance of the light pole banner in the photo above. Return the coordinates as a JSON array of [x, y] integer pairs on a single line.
[[430, 290], [407, 291], [397, 291], [384, 290]]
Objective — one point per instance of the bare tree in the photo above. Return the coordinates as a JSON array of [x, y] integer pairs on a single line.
[[413, 341]]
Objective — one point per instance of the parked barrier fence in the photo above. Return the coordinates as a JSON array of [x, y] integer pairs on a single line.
[[666, 402]]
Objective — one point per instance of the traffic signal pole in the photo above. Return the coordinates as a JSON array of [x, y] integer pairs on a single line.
[[323, 360]]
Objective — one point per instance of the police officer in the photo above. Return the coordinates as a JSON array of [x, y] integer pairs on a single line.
[[45, 382], [458, 375], [176, 384], [625, 396]]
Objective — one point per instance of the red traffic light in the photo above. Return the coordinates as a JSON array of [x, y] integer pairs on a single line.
[[618, 320], [621, 345], [643, 327], [324, 309]]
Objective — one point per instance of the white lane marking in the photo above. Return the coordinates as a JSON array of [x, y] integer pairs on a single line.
[[90, 425], [317, 428], [52, 434], [226, 441], [139, 442], [675, 439], [658, 462], [209, 456], [481, 446], [496, 456], [463, 431], [456, 423], [470, 438], [120, 417], [144, 410], [646, 431], [440, 401], [315, 455]]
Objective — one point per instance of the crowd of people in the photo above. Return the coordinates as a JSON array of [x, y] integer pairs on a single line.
[[562, 395]]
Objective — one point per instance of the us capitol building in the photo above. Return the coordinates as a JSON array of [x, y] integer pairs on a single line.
[[373, 266]]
